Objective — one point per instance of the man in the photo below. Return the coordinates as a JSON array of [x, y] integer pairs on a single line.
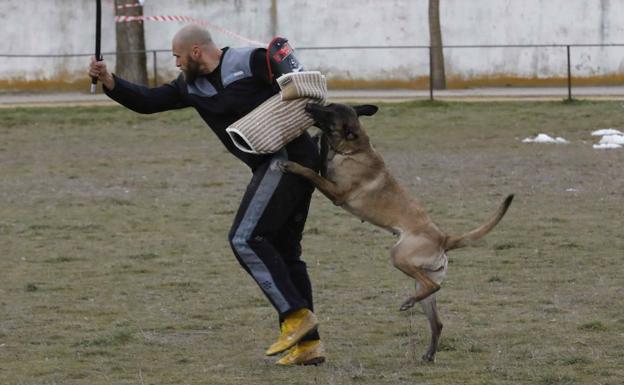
[[224, 85]]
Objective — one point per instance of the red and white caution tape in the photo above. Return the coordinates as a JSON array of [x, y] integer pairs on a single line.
[[187, 19]]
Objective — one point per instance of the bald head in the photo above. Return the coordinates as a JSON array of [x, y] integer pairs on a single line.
[[191, 35], [195, 52]]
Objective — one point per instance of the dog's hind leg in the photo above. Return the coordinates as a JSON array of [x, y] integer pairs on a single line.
[[430, 308], [408, 255], [425, 288]]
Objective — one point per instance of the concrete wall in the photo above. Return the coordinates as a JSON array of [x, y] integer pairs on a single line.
[[67, 26]]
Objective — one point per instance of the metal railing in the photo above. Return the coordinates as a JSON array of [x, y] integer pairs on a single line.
[[568, 49]]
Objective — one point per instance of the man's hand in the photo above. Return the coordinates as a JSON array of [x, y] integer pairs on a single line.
[[98, 69]]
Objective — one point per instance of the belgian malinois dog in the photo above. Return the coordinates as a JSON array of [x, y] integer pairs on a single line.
[[355, 177]]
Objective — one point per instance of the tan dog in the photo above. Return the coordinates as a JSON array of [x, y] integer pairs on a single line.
[[356, 178]]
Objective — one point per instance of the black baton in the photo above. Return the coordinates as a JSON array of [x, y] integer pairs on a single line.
[[98, 40]]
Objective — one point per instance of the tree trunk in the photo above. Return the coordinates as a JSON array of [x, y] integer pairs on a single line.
[[273, 18], [130, 37], [435, 41]]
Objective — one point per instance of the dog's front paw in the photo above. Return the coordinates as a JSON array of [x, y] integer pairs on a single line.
[[288, 166], [282, 165]]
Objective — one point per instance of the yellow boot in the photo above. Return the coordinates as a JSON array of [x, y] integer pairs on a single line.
[[304, 353], [296, 325]]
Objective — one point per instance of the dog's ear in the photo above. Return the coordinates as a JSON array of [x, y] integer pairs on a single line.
[[365, 110], [322, 115], [317, 107]]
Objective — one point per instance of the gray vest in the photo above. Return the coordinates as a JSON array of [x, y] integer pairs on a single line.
[[235, 65]]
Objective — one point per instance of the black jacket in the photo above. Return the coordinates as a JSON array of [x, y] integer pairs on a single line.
[[238, 85]]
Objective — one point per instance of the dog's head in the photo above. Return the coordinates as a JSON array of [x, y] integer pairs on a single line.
[[340, 124]]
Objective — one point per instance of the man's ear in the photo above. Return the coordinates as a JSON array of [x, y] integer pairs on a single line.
[[196, 51], [365, 110]]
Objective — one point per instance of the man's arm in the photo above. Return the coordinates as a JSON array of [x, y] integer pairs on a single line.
[[138, 98]]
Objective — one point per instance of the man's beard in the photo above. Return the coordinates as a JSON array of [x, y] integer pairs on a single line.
[[192, 72]]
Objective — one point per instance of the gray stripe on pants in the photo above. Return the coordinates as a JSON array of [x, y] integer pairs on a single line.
[[256, 207]]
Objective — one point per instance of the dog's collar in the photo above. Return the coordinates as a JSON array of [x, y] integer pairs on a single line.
[[342, 152]]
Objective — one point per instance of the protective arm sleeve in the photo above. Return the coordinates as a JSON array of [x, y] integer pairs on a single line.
[[146, 100]]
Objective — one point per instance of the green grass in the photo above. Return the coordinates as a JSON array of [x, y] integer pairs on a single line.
[[115, 266]]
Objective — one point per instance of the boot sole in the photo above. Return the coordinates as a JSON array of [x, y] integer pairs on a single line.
[[314, 361]]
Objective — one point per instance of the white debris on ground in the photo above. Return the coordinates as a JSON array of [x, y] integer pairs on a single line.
[[613, 139], [606, 146], [610, 138], [607, 131], [543, 138]]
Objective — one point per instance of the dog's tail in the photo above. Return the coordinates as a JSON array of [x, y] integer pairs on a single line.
[[454, 242]]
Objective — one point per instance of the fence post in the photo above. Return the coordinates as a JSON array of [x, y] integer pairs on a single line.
[[569, 74], [155, 68], [430, 73]]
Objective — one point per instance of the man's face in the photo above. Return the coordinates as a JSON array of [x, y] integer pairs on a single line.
[[191, 70], [186, 63]]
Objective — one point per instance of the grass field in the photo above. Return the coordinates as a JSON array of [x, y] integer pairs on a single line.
[[115, 266]]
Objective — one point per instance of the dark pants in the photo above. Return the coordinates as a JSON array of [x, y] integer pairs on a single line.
[[266, 233]]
